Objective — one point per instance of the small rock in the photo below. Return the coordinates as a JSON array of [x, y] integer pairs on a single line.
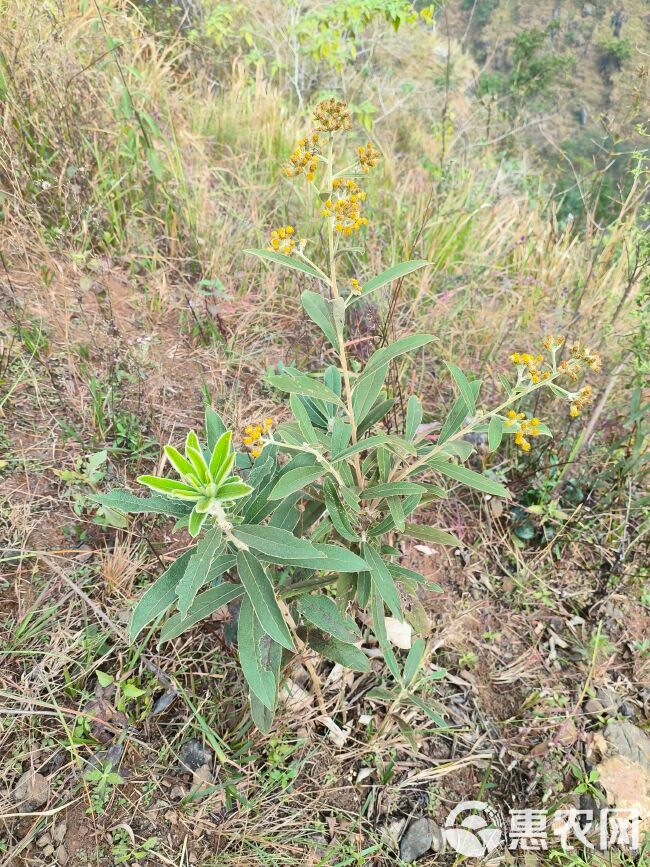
[[177, 793], [164, 701], [629, 741], [61, 855], [593, 707], [202, 779], [608, 699], [194, 755], [58, 834], [31, 792], [420, 836], [568, 733], [625, 776], [627, 709], [48, 850], [44, 840]]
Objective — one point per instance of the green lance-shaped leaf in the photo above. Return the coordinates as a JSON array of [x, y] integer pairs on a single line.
[[302, 417], [159, 596], [413, 417], [182, 466], [382, 579], [345, 654], [250, 633], [378, 411], [196, 521], [431, 534], [332, 558], [379, 626], [341, 433], [321, 611], [458, 448], [271, 658], [386, 354], [169, 487], [214, 427], [470, 478], [276, 543], [221, 459], [466, 391], [392, 489], [287, 514], [396, 510], [337, 512], [495, 433], [414, 660], [456, 417], [423, 706], [366, 391], [295, 480], [122, 500], [320, 311], [259, 590], [204, 605], [387, 276], [288, 262], [198, 568], [303, 385], [162, 593]]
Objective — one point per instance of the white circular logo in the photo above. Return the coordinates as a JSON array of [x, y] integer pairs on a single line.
[[476, 835]]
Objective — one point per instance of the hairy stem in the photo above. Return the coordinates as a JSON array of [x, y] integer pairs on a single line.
[[335, 294]]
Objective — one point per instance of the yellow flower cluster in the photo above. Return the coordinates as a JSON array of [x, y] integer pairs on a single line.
[[331, 115], [580, 401], [346, 206], [304, 157], [253, 434], [369, 156], [282, 240], [527, 428], [531, 362], [591, 359], [355, 286], [553, 342]]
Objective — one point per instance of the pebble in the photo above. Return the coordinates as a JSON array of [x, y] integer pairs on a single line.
[[61, 855], [58, 835], [31, 791], [44, 840], [420, 836], [194, 755], [594, 707]]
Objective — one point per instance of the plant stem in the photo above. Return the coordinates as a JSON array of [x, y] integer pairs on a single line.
[[335, 294]]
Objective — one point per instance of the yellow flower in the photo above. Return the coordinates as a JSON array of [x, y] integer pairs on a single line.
[[346, 206], [369, 156], [332, 115], [253, 438], [282, 240], [525, 428], [553, 342], [304, 157], [355, 286]]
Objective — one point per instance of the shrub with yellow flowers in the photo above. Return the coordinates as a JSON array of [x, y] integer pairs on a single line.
[[303, 522]]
